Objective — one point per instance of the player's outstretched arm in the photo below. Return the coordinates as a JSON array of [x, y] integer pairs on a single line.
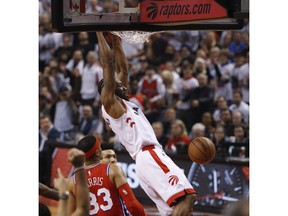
[[77, 158], [121, 62], [106, 60], [47, 192], [108, 99], [125, 192]]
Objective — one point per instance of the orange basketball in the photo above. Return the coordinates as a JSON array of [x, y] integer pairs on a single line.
[[201, 150]]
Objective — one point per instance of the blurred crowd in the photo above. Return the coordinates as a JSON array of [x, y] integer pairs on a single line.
[[188, 84]]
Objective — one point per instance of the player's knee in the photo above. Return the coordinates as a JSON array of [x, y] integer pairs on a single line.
[[191, 198]]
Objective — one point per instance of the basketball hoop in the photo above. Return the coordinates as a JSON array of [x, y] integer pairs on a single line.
[[133, 37]]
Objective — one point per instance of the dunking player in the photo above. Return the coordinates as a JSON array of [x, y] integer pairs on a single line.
[[107, 183], [162, 180]]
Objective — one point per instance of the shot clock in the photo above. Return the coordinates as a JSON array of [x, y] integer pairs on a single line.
[[218, 185]]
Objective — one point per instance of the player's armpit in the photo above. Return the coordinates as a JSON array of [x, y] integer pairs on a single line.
[[132, 204]]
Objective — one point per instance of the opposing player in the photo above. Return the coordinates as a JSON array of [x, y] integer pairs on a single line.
[[162, 180], [109, 192], [109, 156]]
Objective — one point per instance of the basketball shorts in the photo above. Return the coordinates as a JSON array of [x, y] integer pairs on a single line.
[[161, 179]]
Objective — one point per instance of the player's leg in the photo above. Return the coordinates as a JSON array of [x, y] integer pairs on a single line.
[[159, 172], [162, 207]]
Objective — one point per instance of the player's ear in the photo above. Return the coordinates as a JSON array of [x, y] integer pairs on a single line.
[[98, 152]]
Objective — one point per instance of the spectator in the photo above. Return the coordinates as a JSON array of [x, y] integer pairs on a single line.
[[171, 94], [237, 45], [44, 106], [199, 66], [197, 130], [221, 103], [239, 62], [47, 41], [65, 51], [179, 140], [238, 120], [243, 79], [186, 54], [159, 132], [223, 76], [93, 7], [220, 140], [108, 135], [241, 140], [201, 98], [84, 44], [185, 86], [47, 132], [240, 135], [169, 66], [89, 123], [156, 46], [212, 66], [152, 86], [208, 122], [143, 65], [226, 121], [225, 39], [75, 69], [137, 97], [91, 75], [168, 119], [240, 105], [209, 41], [191, 39], [65, 115]]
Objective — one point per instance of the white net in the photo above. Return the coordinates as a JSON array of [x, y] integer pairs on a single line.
[[133, 37]]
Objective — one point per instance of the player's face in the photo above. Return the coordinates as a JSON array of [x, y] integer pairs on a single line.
[[121, 91], [109, 156]]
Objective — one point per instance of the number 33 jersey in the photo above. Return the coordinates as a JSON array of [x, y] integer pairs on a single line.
[[104, 197]]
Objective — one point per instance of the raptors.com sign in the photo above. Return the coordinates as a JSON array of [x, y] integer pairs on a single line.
[[182, 10]]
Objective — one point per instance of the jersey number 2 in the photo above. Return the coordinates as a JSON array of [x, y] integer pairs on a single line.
[[93, 201]]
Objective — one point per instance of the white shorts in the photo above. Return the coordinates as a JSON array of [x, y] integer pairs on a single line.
[[161, 179]]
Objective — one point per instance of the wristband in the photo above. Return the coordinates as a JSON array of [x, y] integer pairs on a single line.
[[64, 196]]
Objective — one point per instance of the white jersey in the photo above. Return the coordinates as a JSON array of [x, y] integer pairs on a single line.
[[132, 128]]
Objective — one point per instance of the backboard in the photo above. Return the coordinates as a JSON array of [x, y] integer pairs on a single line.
[[149, 15]]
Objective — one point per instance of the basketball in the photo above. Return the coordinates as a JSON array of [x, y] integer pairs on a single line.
[[201, 150]]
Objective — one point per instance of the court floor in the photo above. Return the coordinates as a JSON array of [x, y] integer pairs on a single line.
[[150, 211]]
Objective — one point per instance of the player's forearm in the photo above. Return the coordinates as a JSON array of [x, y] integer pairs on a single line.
[[120, 61], [132, 204], [48, 192], [106, 60], [51, 194], [82, 193]]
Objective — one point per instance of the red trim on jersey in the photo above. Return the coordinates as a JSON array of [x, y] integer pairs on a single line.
[[180, 194], [91, 151], [124, 105], [156, 158]]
